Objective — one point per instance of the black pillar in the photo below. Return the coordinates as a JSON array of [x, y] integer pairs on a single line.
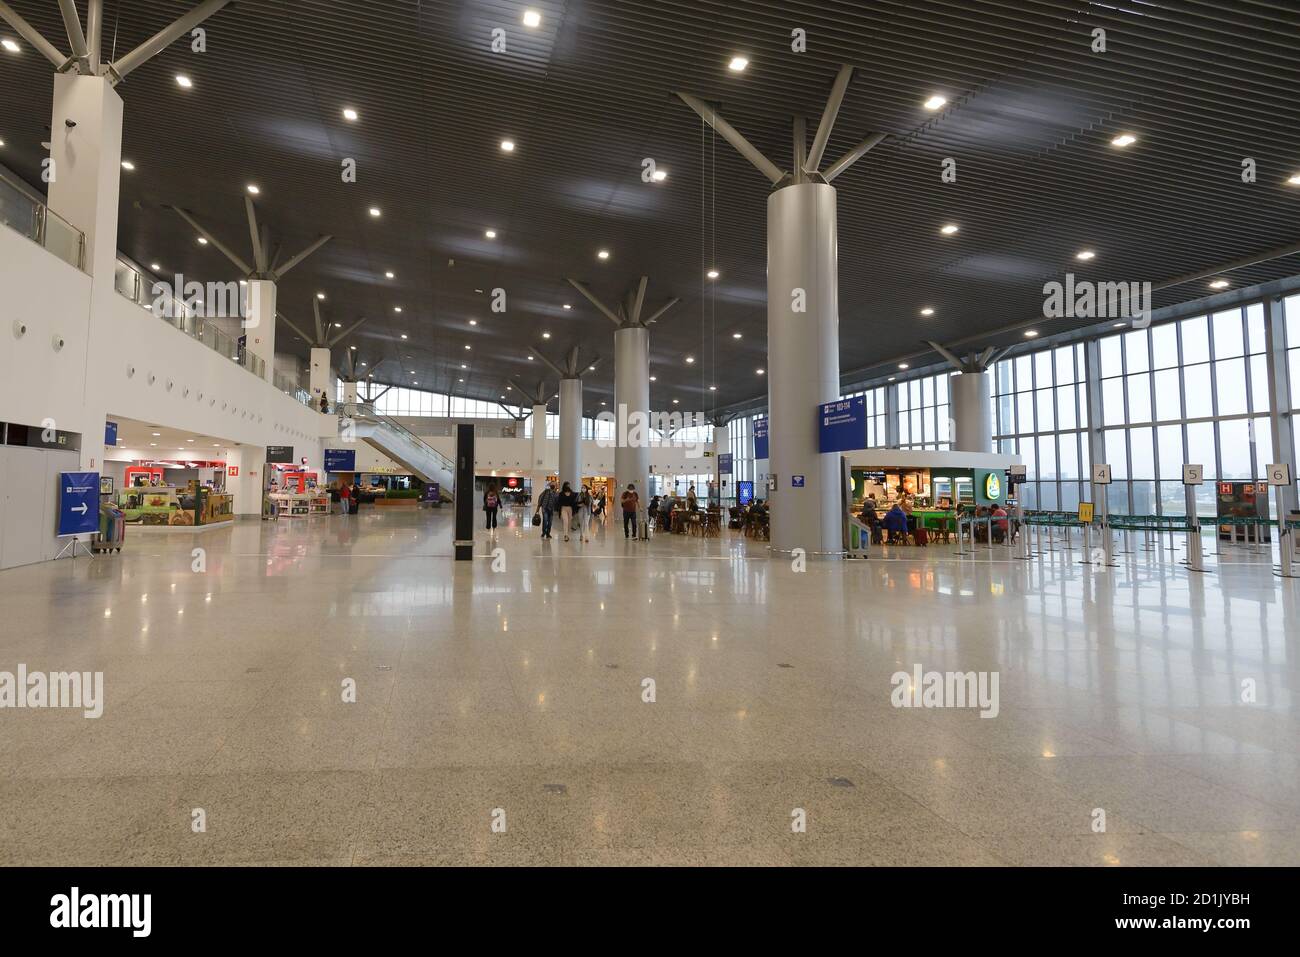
[[463, 493]]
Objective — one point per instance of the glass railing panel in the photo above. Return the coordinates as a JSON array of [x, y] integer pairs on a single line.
[[63, 239], [18, 211], [126, 281]]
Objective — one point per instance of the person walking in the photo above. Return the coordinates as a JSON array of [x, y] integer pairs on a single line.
[[691, 501], [585, 506], [630, 502], [345, 494], [547, 502], [568, 502], [491, 504]]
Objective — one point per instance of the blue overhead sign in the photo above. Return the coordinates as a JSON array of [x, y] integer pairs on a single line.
[[110, 433], [340, 460], [724, 463], [78, 503], [842, 425], [760, 438]]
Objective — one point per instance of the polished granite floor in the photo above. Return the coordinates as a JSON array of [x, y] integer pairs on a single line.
[[511, 689]]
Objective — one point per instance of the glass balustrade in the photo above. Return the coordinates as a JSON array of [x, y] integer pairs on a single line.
[[19, 211]]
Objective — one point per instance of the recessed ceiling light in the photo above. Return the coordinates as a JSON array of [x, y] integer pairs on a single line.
[[713, 274], [349, 114], [737, 64], [603, 254], [949, 229], [1118, 325], [1293, 181], [353, 348], [397, 309], [508, 146], [403, 335], [567, 306], [1085, 255], [320, 295], [659, 175], [532, 19], [690, 360], [463, 366], [1124, 139], [155, 267], [892, 378], [713, 388], [128, 166], [203, 241], [737, 335], [590, 368], [675, 401], [761, 371], [927, 311], [473, 322], [374, 211], [546, 335], [10, 45], [509, 388], [183, 81], [902, 365], [253, 188], [155, 434], [189, 440], [2, 142], [389, 275], [530, 358], [153, 444], [460, 380], [338, 325], [491, 234], [934, 102], [654, 378], [468, 347], [1031, 333], [1219, 284]]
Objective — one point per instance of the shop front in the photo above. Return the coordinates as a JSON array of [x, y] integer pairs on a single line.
[[175, 495]]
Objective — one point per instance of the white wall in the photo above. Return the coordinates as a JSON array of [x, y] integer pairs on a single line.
[[124, 362], [29, 503], [514, 455]]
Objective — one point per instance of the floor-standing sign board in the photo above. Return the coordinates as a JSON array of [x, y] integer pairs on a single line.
[[78, 503], [1279, 476], [760, 438], [463, 492], [1193, 477]]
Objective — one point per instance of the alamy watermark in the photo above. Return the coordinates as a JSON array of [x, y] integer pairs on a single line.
[[1085, 299], [946, 689], [207, 300], [654, 430], [54, 689]]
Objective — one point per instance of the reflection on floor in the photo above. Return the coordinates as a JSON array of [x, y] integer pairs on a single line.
[[510, 692]]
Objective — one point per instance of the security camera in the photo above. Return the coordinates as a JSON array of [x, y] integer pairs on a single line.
[[20, 328], [69, 123]]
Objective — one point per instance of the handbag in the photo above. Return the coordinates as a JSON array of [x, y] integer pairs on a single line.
[[537, 519]]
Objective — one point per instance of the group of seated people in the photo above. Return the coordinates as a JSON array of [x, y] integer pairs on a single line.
[[897, 525], [752, 519]]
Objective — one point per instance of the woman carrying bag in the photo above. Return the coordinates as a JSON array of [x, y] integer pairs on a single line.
[[491, 503]]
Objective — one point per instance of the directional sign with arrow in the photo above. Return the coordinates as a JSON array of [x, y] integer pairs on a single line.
[[78, 503]]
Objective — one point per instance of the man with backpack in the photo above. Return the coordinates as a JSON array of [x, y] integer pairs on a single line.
[[631, 502]]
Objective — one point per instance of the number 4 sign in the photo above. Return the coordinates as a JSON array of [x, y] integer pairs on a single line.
[[1101, 474]]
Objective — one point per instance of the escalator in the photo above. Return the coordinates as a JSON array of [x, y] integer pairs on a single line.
[[398, 443]]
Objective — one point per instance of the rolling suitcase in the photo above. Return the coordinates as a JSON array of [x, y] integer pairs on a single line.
[[921, 536]]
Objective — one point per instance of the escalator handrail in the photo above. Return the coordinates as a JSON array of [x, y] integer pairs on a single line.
[[368, 412]]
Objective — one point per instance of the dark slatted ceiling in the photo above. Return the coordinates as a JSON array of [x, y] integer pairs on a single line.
[[586, 97]]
